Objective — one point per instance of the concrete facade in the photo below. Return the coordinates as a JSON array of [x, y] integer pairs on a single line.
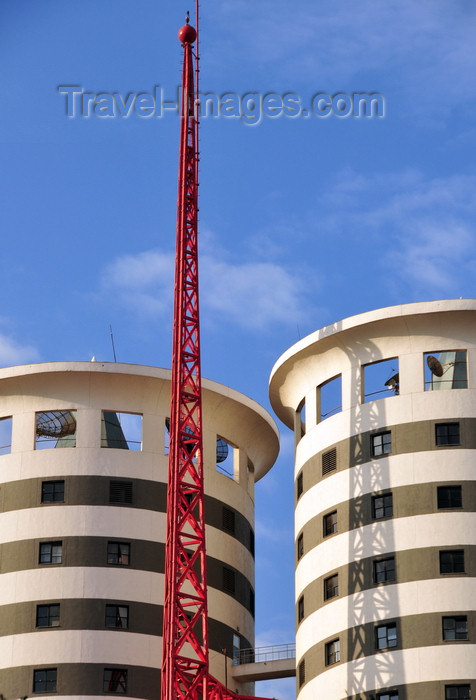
[[82, 526], [385, 491]]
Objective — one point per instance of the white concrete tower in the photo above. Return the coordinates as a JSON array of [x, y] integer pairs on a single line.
[[83, 468], [383, 407]]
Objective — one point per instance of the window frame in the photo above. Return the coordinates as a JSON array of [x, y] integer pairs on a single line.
[[386, 570], [109, 680], [53, 620], [300, 609], [330, 525], [50, 682], [113, 612], [458, 686], [456, 619], [391, 640], [54, 483], [453, 561], [300, 546], [331, 591], [120, 555], [50, 560], [332, 652], [384, 507], [383, 446], [445, 439], [455, 488]]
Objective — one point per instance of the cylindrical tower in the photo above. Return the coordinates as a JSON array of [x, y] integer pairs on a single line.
[[383, 407], [83, 470]]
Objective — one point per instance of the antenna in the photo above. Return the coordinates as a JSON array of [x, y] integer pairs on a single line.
[[435, 366], [112, 341]]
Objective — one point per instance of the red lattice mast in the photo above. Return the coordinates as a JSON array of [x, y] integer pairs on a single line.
[[185, 673]]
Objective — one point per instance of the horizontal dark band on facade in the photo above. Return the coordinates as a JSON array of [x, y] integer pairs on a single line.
[[81, 679], [356, 643], [410, 565], [406, 438], [90, 614], [146, 495], [144, 556], [431, 690], [407, 501]]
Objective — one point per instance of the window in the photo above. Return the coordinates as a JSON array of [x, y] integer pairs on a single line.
[[122, 431], [382, 506], [228, 519], [300, 546], [228, 580], [452, 561], [301, 609], [332, 652], [331, 587], [329, 461], [252, 542], [330, 397], [52, 492], [299, 486], [120, 492], [386, 636], [447, 434], [330, 523], [44, 680], [47, 615], [302, 673], [450, 497], [117, 616], [251, 599], [391, 695], [118, 553], [115, 680], [445, 370], [51, 552], [226, 456], [455, 628], [384, 570], [55, 429], [5, 436], [457, 692], [381, 443], [380, 380]]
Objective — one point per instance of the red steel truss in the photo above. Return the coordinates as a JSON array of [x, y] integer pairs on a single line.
[[185, 673]]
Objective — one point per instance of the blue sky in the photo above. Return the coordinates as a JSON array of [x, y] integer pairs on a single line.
[[303, 220]]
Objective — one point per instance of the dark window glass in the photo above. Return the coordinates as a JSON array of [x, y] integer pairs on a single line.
[[452, 561], [118, 553], [44, 680], [450, 497], [252, 542], [302, 673], [115, 680], [251, 599], [332, 652], [51, 552], [381, 443], [299, 486], [384, 570], [120, 492], [447, 434], [330, 523], [455, 627], [228, 580], [301, 608], [331, 587], [458, 692], [300, 546], [386, 636], [392, 695], [382, 506], [52, 492], [47, 615], [117, 616]]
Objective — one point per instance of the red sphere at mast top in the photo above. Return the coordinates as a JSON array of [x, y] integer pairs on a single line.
[[187, 34]]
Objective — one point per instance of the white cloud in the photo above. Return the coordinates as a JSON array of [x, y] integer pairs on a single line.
[[12, 353], [422, 230], [250, 294]]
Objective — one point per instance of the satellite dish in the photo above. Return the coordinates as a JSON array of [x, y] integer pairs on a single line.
[[55, 424], [434, 366], [393, 383], [222, 450]]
